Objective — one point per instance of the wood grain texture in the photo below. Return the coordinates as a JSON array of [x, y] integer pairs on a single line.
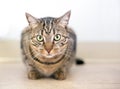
[[93, 75]]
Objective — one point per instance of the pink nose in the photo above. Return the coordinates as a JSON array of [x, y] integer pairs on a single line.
[[48, 50], [48, 46]]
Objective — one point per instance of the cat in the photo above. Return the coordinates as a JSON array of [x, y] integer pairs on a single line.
[[48, 47]]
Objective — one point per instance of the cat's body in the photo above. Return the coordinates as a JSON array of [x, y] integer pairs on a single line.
[[48, 47]]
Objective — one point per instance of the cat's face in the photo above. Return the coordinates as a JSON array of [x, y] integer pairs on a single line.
[[49, 37]]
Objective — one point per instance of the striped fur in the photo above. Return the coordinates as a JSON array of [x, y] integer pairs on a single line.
[[48, 57]]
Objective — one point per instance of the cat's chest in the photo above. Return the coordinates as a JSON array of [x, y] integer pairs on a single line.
[[48, 70]]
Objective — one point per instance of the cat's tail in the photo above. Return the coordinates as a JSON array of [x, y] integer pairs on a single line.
[[79, 61]]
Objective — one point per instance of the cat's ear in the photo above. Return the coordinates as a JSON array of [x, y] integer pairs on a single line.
[[64, 20], [31, 20]]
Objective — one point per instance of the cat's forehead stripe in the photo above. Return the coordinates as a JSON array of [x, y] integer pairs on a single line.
[[48, 24]]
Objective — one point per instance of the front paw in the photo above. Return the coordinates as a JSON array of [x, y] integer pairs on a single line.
[[60, 75], [33, 75]]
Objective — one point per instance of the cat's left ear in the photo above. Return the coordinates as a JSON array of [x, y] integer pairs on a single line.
[[64, 20]]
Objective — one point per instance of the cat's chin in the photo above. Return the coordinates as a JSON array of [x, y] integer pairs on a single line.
[[49, 56]]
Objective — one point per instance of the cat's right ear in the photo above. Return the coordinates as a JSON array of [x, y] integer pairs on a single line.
[[31, 20]]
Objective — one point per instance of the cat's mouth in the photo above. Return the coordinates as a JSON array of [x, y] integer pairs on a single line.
[[51, 55]]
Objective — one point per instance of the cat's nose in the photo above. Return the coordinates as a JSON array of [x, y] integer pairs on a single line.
[[48, 47], [48, 50]]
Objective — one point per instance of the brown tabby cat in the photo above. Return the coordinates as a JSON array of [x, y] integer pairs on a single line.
[[48, 46]]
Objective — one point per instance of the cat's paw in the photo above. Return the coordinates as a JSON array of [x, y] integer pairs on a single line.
[[33, 75], [60, 75]]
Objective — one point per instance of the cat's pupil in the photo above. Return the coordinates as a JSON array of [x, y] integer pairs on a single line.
[[57, 36]]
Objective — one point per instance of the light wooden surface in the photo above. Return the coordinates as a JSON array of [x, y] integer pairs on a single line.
[[93, 75]]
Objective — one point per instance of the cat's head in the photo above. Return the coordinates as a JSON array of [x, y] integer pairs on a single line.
[[49, 37]]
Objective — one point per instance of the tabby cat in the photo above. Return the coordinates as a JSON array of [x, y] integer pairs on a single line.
[[48, 47]]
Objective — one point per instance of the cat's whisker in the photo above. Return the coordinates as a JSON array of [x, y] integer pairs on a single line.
[[28, 54]]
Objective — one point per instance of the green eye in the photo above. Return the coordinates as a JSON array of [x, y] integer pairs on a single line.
[[39, 38], [57, 37]]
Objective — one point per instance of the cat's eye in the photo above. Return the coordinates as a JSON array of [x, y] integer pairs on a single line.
[[39, 38], [57, 37]]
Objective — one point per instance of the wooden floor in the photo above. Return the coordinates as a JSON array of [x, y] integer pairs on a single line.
[[92, 75]]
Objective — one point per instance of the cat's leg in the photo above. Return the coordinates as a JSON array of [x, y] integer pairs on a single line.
[[33, 73], [61, 74]]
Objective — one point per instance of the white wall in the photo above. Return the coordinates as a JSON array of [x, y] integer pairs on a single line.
[[93, 20]]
